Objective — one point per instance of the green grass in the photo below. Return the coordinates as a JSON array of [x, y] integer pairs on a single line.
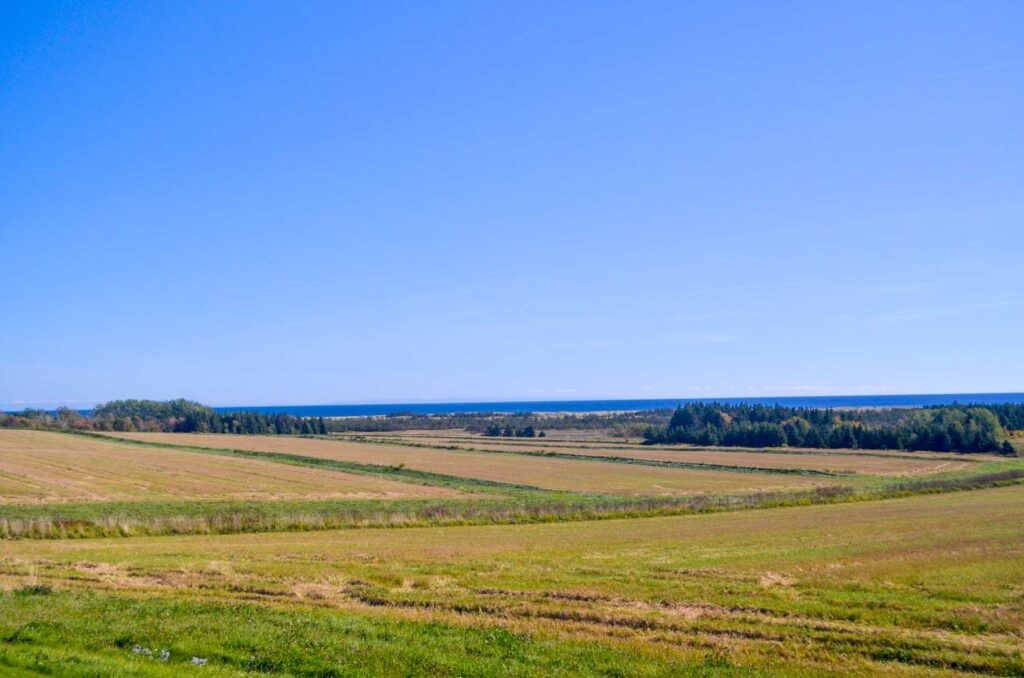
[[807, 589], [109, 519], [83, 634]]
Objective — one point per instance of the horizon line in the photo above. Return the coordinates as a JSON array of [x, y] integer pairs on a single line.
[[473, 401]]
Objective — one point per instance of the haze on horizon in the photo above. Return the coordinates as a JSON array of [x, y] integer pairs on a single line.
[[288, 204]]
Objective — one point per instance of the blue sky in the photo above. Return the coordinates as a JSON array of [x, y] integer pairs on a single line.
[[284, 203]]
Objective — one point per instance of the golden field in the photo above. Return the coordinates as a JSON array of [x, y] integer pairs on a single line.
[[40, 466], [547, 473]]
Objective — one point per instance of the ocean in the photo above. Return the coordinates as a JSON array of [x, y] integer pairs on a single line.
[[915, 400]]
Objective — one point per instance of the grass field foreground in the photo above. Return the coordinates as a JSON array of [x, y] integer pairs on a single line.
[[923, 585]]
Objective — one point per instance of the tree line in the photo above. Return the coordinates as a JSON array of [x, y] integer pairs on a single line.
[[959, 428], [1011, 415], [951, 428], [507, 431], [480, 422], [172, 416]]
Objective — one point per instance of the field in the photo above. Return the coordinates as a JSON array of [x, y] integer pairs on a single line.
[[393, 554], [542, 472], [38, 466], [600, 439], [874, 462]]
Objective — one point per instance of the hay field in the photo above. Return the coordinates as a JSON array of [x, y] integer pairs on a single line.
[[847, 462], [553, 474], [602, 441], [840, 461], [886, 575], [40, 466], [802, 590]]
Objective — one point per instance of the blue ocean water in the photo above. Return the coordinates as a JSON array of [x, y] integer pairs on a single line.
[[918, 400]]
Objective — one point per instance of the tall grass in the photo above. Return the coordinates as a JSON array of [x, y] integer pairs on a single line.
[[126, 519]]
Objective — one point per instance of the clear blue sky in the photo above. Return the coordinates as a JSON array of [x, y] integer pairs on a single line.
[[257, 203]]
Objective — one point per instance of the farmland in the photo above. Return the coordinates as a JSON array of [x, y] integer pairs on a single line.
[[526, 339], [40, 466], [543, 472], [874, 462], [451, 553]]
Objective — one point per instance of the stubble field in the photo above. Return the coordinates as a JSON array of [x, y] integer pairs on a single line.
[[40, 466], [873, 462], [913, 568], [543, 472]]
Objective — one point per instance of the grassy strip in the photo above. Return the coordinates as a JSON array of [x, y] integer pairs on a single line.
[[87, 520], [129, 519], [691, 465], [83, 634], [400, 472]]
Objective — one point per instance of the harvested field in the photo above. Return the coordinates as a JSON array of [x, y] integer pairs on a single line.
[[822, 460], [840, 463], [885, 460], [554, 474], [39, 466], [803, 589]]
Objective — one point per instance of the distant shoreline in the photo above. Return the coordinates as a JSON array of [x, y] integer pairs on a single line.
[[558, 407], [555, 407], [555, 414]]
